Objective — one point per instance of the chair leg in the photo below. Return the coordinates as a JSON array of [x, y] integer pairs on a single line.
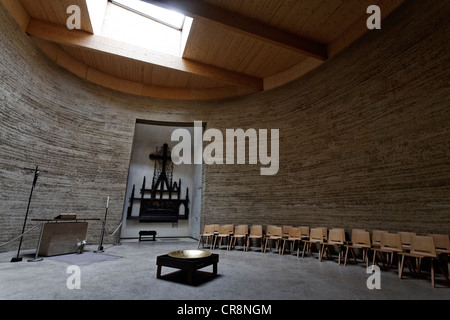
[[400, 268], [324, 250], [432, 272], [304, 247], [230, 243], [346, 255], [367, 257], [374, 260], [199, 240]]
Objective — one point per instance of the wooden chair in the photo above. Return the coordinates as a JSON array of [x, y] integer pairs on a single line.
[[390, 244], [293, 237], [336, 237], [442, 246], [377, 236], [304, 232], [256, 233], [286, 231], [273, 234], [240, 232], [325, 233], [316, 236], [421, 247], [441, 243], [225, 232], [208, 234], [360, 240], [406, 238]]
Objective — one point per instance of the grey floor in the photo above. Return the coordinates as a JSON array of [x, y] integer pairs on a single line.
[[128, 272]]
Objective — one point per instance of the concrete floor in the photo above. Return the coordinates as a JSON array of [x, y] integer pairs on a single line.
[[241, 276]]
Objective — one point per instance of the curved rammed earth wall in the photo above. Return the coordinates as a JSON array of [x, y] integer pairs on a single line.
[[364, 139]]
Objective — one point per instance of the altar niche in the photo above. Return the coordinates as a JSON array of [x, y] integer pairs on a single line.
[[162, 201], [179, 188]]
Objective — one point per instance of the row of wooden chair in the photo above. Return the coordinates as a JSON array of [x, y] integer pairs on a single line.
[[383, 244]]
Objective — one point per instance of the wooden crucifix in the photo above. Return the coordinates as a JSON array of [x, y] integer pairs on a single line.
[[164, 157], [162, 179]]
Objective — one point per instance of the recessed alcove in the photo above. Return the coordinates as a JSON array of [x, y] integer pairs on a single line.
[[148, 137]]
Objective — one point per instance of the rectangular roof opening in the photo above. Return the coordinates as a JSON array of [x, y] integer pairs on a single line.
[[168, 17]]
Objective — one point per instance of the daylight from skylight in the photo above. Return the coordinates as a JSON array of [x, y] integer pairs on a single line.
[[138, 23], [168, 17]]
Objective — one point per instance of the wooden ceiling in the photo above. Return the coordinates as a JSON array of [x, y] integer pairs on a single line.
[[234, 47]]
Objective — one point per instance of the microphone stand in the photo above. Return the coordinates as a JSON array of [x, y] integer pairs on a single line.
[[100, 245]]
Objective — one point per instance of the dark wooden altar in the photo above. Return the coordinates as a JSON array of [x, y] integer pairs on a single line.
[[162, 201]]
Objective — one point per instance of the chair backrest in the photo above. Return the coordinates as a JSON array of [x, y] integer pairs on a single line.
[[407, 238], [377, 236], [274, 231], [361, 237], [423, 245], [241, 230], [277, 232], [357, 230], [226, 229], [270, 229], [391, 241], [441, 241], [256, 230], [316, 234], [304, 232], [286, 229], [295, 233], [325, 233], [216, 227], [336, 235], [208, 229]]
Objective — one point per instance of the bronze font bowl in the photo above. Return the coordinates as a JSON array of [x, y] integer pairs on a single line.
[[189, 254]]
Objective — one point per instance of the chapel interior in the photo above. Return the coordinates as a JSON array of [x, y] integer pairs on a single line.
[[291, 144]]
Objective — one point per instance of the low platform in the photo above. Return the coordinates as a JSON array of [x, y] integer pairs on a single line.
[[144, 234], [189, 266]]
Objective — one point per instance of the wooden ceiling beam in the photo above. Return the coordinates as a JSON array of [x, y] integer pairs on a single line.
[[249, 27], [359, 27], [62, 35], [17, 12], [59, 56]]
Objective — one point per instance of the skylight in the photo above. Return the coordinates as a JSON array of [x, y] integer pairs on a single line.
[[168, 17]]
